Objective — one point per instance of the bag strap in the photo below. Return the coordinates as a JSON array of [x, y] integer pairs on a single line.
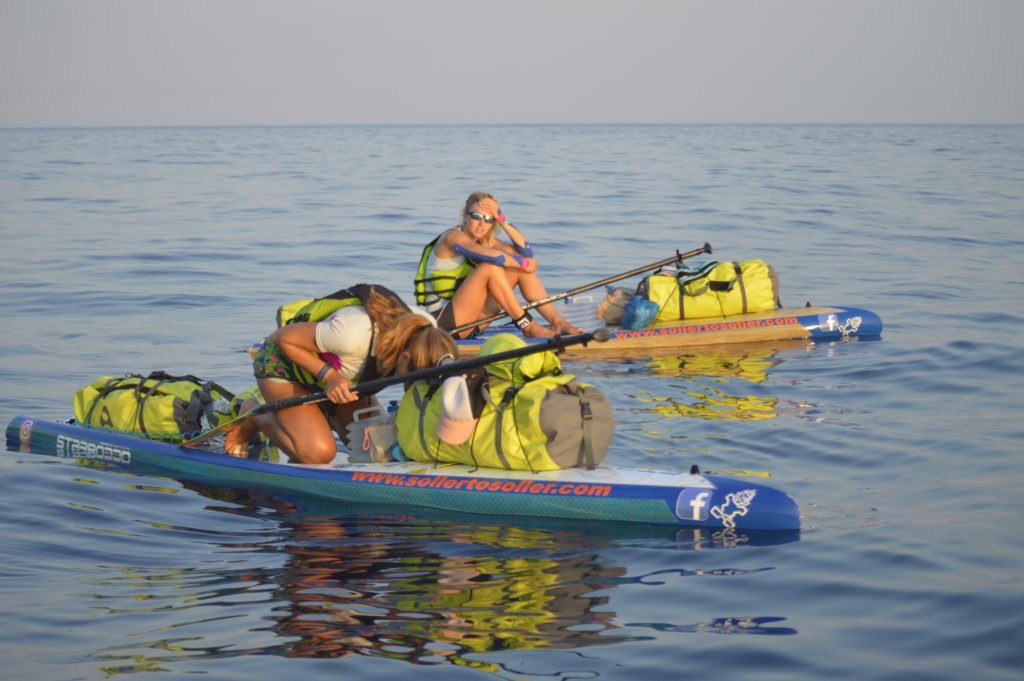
[[499, 418], [587, 416], [714, 286], [202, 403], [421, 402], [142, 393], [743, 286], [108, 387], [685, 276], [727, 286]]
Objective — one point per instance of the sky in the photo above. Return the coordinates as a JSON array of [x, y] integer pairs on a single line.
[[85, 63]]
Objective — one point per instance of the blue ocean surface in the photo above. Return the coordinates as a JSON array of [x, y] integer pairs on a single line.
[[132, 250]]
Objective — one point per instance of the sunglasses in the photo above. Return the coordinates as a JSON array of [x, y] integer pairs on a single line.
[[481, 216]]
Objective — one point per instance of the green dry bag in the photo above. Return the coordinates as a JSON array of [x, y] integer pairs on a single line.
[[158, 406]]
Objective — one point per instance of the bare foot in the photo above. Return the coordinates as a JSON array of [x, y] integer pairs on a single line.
[[561, 326], [535, 330], [238, 435], [237, 438]]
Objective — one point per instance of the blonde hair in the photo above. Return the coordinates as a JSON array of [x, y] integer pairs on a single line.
[[384, 310], [400, 330], [475, 198], [414, 334], [472, 200], [429, 346]]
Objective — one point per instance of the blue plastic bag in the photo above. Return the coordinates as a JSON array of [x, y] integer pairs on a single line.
[[639, 313]]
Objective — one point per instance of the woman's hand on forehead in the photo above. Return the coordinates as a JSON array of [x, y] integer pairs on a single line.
[[488, 207]]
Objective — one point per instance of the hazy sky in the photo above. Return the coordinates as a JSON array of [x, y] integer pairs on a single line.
[[223, 62]]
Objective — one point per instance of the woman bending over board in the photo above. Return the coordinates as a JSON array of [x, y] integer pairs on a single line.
[[467, 273], [332, 344]]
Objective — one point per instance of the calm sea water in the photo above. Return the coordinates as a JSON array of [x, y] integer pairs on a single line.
[[142, 249]]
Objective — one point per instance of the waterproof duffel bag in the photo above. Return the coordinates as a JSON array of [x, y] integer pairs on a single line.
[[159, 405], [527, 415], [717, 289]]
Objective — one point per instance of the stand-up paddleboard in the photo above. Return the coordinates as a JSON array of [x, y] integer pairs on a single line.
[[811, 323], [605, 493]]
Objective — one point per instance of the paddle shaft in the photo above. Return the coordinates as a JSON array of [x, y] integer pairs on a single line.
[[678, 257], [557, 344]]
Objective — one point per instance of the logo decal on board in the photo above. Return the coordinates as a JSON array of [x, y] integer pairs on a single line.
[[693, 503], [848, 328], [736, 503], [25, 433]]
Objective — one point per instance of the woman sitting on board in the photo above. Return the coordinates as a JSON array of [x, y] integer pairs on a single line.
[[372, 334], [467, 274]]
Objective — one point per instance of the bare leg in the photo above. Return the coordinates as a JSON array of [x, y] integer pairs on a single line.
[[488, 282], [301, 432], [532, 289]]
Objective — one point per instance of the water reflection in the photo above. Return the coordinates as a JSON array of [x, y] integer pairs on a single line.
[[719, 381], [712, 404], [425, 590], [347, 594], [750, 626]]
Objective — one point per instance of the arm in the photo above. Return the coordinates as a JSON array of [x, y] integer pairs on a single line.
[[519, 241], [298, 343], [498, 258], [461, 243]]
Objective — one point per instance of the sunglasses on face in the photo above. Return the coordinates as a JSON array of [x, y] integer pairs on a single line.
[[481, 216]]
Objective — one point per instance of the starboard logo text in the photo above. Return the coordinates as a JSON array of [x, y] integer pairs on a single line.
[[96, 451]]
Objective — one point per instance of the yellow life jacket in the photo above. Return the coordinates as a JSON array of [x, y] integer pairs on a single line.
[[158, 406], [317, 309], [718, 289], [530, 416], [430, 288]]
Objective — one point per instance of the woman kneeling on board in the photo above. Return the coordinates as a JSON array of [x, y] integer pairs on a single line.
[[467, 273], [332, 344]]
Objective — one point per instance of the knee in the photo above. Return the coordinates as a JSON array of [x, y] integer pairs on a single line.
[[488, 269], [320, 451]]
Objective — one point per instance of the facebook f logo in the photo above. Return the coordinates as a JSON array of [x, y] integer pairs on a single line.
[[692, 504]]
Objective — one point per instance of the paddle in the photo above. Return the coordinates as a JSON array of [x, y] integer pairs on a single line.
[[678, 257], [556, 344]]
